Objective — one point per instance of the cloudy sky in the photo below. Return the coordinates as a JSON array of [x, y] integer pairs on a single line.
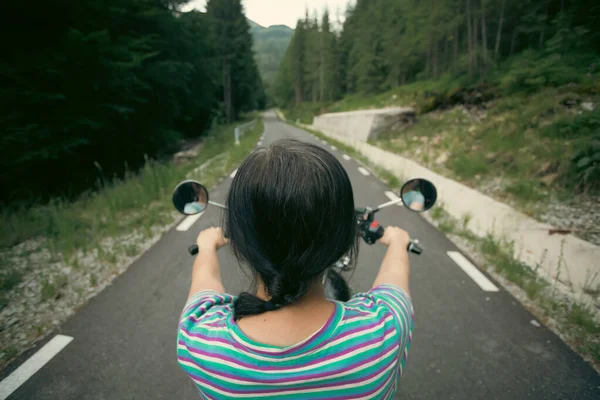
[[286, 12]]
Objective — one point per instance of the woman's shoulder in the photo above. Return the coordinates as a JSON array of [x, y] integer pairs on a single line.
[[385, 302], [206, 308]]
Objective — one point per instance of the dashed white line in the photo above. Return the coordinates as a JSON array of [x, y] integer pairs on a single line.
[[233, 174], [259, 143], [363, 171], [33, 365], [346, 157], [480, 279], [393, 197], [188, 222], [333, 148]]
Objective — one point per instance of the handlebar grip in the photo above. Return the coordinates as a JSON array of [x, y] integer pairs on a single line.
[[193, 249], [414, 247]]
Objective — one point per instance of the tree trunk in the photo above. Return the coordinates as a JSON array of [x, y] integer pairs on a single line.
[[298, 87], [541, 44], [434, 59], [513, 40], [456, 40], [227, 90], [475, 40], [322, 68], [446, 58], [484, 38], [470, 38], [499, 33], [428, 61]]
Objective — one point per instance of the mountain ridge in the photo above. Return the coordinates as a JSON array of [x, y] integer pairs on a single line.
[[270, 45]]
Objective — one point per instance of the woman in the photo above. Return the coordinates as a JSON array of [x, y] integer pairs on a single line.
[[290, 217]]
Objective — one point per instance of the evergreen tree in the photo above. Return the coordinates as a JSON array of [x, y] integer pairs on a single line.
[[106, 83]]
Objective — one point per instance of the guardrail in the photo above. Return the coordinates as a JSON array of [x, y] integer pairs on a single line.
[[239, 130]]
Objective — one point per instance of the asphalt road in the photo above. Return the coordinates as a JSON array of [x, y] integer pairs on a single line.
[[467, 343]]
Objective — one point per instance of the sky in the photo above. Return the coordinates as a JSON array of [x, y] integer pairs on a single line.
[[281, 12]]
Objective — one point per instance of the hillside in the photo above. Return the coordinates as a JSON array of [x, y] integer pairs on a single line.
[[270, 45]]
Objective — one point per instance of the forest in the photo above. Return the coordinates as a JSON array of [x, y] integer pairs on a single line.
[[532, 64], [93, 87], [386, 43]]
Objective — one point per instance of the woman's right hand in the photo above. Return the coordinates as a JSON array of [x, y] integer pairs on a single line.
[[393, 235], [211, 239]]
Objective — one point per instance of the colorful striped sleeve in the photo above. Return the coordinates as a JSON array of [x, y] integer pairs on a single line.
[[394, 300], [202, 306]]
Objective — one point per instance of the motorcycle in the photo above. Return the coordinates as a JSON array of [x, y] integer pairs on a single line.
[[418, 195]]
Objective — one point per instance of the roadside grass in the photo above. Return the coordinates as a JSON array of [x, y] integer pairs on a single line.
[[137, 202], [574, 320], [305, 112], [522, 147]]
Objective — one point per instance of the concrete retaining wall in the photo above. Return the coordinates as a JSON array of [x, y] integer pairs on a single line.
[[573, 260], [362, 125]]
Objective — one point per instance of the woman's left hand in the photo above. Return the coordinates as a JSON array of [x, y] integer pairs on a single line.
[[211, 239]]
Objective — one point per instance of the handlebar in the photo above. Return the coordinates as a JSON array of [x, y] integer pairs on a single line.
[[413, 247]]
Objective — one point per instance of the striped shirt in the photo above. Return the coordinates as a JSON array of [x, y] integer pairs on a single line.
[[358, 354]]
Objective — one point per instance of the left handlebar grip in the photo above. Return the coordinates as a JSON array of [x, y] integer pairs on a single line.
[[193, 249], [414, 247]]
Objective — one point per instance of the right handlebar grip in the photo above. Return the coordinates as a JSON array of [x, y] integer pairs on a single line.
[[193, 249]]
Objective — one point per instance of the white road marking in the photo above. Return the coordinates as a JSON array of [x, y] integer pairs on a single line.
[[480, 279], [259, 143], [188, 222], [233, 174], [346, 157], [323, 141], [393, 197], [33, 365], [333, 148], [363, 171]]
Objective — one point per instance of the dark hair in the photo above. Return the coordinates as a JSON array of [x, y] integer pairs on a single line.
[[290, 217]]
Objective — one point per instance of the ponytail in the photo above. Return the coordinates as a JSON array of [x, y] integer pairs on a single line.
[[283, 292]]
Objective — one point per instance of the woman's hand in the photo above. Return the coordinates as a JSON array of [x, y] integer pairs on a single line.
[[395, 235], [211, 239]]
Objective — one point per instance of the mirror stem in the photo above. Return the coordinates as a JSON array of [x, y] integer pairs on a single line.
[[389, 203], [214, 203]]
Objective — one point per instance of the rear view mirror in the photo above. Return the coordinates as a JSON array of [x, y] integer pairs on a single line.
[[418, 195], [190, 198]]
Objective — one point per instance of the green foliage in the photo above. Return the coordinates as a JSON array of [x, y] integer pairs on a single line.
[[582, 316], [304, 112], [584, 170], [585, 124], [519, 45], [107, 82], [76, 225], [469, 165]]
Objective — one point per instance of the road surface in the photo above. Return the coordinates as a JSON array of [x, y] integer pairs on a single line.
[[467, 344]]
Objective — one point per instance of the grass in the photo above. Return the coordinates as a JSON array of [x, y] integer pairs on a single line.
[[520, 147], [575, 320], [138, 201]]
